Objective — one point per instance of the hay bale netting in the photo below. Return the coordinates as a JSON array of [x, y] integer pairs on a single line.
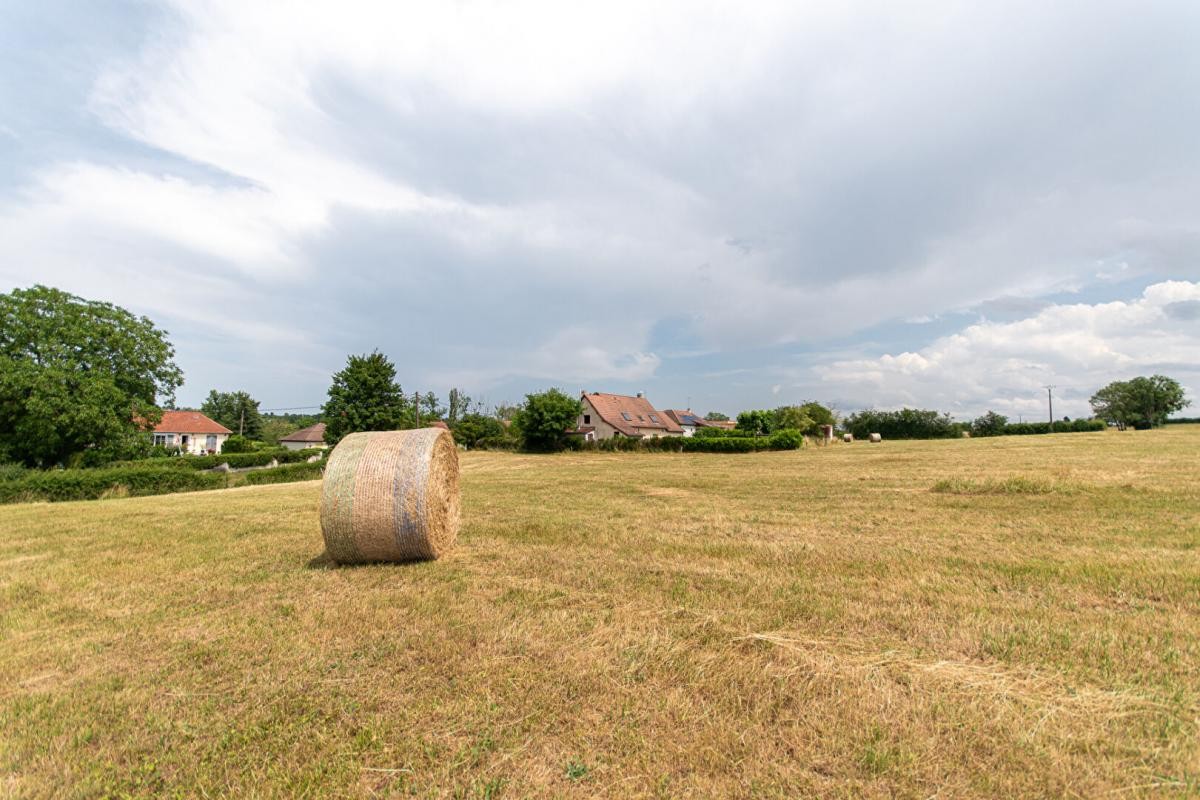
[[875, 437], [390, 496]]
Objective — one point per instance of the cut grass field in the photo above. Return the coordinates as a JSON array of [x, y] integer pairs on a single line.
[[991, 617]]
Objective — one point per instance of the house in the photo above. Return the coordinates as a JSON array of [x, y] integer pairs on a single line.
[[607, 415], [688, 420], [190, 432], [312, 436]]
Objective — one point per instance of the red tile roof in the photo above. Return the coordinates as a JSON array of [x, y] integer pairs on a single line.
[[313, 433], [437, 423], [188, 422], [612, 408]]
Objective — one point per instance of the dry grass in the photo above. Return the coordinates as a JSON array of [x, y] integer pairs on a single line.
[[814, 623]]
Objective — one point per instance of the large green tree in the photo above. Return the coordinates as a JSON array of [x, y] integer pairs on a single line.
[[545, 418], [78, 376], [364, 397], [1141, 402], [237, 411]]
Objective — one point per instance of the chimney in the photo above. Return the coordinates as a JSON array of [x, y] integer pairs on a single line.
[[641, 394]]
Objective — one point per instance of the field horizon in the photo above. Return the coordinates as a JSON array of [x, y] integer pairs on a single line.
[[1013, 616]]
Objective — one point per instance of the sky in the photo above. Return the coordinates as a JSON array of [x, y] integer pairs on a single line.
[[727, 206]]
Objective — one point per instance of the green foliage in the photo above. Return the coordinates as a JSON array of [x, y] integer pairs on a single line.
[[819, 414], [1141, 402], [716, 416], [471, 429], [506, 412], [431, 409], [89, 484], [257, 458], [907, 423], [761, 422], [755, 422], [1074, 426], [237, 444], [990, 424], [544, 420], [364, 397], [738, 442], [458, 406], [791, 418], [287, 474], [77, 375], [237, 411]]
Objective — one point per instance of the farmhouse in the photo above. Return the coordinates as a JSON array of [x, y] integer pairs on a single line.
[[607, 415], [312, 436], [191, 432]]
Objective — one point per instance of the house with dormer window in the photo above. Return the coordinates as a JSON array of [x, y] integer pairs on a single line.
[[607, 415]]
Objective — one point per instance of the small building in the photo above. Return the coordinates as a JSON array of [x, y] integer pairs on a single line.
[[312, 436], [190, 432], [688, 420], [607, 415]]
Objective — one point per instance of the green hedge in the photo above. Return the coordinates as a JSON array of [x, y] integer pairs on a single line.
[[286, 474], [259, 458], [1074, 426], [89, 484], [780, 440]]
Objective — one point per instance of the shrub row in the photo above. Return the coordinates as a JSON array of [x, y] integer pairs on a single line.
[[907, 423], [780, 440], [1074, 426], [90, 484], [286, 474], [258, 458]]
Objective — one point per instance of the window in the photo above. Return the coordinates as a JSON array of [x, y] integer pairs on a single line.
[[210, 442], [654, 418], [164, 439], [641, 418], [626, 417], [587, 419]]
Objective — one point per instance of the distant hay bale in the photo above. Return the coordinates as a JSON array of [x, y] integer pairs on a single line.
[[390, 496], [875, 437], [847, 437]]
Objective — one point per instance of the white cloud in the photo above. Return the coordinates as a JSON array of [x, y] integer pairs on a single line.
[[1004, 366], [554, 181]]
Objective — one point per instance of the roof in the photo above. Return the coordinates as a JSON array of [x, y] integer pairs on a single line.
[[687, 417], [630, 415], [437, 423], [313, 433], [188, 422]]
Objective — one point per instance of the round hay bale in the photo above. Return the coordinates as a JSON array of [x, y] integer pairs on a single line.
[[875, 437], [847, 437], [390, 496]]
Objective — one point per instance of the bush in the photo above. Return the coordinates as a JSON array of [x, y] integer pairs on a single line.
[[1074, 426], [990, 424], [907, 423], [259, 458], [12, 472], [89, 484], [781, 440], [237, 444], [286, 474]]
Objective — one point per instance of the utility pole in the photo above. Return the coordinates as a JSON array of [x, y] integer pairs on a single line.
[[242, 421], [1050, 398], [417, 406]]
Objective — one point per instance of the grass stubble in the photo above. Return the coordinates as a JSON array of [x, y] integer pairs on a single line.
[[991, 617]]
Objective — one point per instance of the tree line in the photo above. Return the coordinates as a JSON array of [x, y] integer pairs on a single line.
[[82, 381]]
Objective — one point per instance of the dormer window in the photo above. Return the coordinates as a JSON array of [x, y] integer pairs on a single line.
[[626, 417]]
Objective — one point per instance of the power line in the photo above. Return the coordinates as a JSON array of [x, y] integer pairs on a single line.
[[293, 408]]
